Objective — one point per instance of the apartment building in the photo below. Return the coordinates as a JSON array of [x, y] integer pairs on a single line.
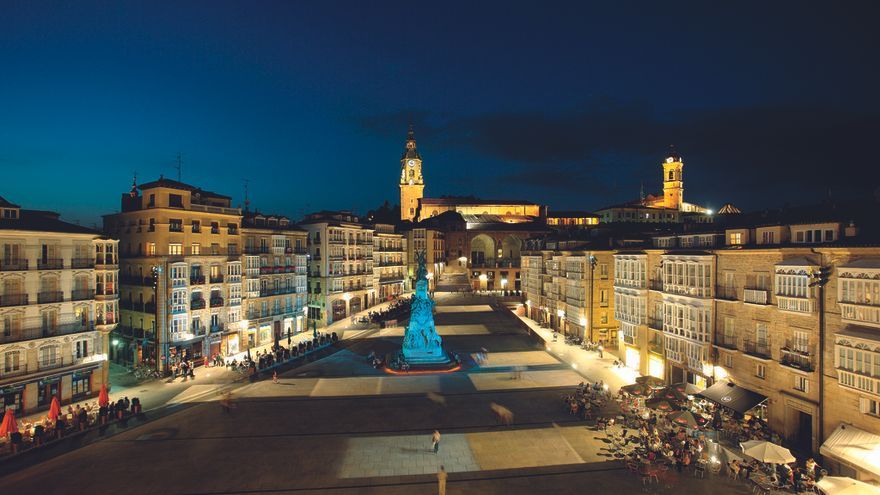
[[785, 311], [428, 237], [389, 262], [568, 287], [181, 274], [58, 304], [340, 266], [275, 262]]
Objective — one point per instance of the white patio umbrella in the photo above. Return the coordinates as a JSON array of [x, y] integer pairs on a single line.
[[765, 451], [836, 485]]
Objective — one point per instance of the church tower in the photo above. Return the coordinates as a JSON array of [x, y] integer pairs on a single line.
[[412, 184], [673, 185]]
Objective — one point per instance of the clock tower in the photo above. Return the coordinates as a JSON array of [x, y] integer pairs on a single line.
[[673, 183], [412, 184]]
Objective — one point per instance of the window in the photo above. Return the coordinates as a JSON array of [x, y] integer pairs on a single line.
[[81, 385], [735, 238], [768, 237], [175, 200], [760, 371], [829, 235], [603, 318], [728, 360], [215, 228], [50, 356], [603, 270], [196, 226], [12, 361], [175, 225], [152, 202], [603, 297], [196, 248], [869, 406], [175, 249], [81, 350], [151, 249], [799, 236], [801, 384]]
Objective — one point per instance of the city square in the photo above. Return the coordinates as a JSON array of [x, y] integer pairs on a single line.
[[462, 247], [382, 441]]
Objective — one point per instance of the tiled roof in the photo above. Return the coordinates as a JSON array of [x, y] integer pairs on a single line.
[[173, 184], [43, 221], [6, 204]]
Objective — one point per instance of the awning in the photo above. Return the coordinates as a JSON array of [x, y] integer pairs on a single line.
[[854, 447], [732, 396]]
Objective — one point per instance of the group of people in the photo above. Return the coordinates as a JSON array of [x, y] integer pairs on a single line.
[[587, 400], [278, 354], [784, 476], [394, 311], [76, 419]]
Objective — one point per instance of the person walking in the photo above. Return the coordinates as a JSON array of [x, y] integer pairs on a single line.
[[441, 480], [435, 440], [275, 376]]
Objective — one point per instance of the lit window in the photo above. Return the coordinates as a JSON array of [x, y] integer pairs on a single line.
[[175, 249], [760, 371]]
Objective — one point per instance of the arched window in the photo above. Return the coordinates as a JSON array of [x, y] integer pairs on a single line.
[[671, 174]]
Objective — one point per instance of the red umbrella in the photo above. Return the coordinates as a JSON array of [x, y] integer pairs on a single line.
[[103, 396], [686, 418], [638, 389], [8, 425], [54, 409], [661, 404]]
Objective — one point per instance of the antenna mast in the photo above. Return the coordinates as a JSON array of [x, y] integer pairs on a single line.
[[247, 202], [178, 166]]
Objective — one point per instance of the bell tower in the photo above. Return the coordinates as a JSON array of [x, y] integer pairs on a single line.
[[412, 184], [673, 184]]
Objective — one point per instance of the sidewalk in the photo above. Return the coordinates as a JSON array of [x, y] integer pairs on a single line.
[[586, 363]]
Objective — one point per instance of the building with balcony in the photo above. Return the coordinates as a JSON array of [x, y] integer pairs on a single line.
[[58, 303], [181, 274], [424, 236], [389, 262], [567, 286], [275, 261], [341, 267]]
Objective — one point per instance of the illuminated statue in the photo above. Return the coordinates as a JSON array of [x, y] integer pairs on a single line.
[[421, 344]]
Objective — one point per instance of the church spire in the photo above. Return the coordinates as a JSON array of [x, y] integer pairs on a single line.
[[411, 151]]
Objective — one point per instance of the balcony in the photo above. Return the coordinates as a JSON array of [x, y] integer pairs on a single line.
[[725, 293], [216, 302], [655, 324], [82, 263], [655, 347], [81, 294], [794, 304], [33, 328], [760, 349], [863, 314], [197, 279], [726, 341], [756, 296], [630, 340], [105, 260], [107, 319], [687, 290], [13, 265], [135, 333], [798, 357], [198, 330], [50, 297], [217, 328], [50, 264], [13, 300], [656, 285], [216, 279], [197, 304]]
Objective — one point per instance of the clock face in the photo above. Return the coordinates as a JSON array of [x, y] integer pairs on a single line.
[[411, 163]]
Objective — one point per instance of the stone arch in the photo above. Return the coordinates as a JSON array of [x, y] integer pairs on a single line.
[[482, 250], [511, 247]]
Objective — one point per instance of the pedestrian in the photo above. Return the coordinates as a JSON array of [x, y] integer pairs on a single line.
[[435, 440], [275, 376], [601, 349], [441, 480]]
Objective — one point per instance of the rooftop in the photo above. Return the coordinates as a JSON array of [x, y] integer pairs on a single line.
[[43, 221], [173, 184]]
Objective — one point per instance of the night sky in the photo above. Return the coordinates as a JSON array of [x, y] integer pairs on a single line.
[[571, 105]]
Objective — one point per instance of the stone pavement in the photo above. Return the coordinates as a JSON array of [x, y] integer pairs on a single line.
[[339, 426]]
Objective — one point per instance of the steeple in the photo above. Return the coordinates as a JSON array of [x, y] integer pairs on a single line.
[[134, 188], [412, 184], [410, 151], [673, 182]]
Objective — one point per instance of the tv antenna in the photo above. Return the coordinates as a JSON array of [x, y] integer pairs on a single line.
[[247, 202], [179, 165]]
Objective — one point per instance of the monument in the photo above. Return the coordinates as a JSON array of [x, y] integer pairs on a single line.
[[422, 347]]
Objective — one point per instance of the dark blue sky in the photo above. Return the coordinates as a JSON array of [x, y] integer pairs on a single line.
[[572, 104]]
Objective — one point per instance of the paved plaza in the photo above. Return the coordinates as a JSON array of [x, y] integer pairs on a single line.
[[339, 426]]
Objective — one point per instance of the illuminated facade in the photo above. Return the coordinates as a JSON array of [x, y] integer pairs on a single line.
[[668, 207], [423, 236], [340, 266], [389, 262], [180, 274], [756, 305], [275, 286], [412, 183], [58, 304]]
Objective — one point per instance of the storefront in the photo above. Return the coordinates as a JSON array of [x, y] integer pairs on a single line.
[[12, 398], [632, 358], [656, 366], [47, 388], [81, 384], [232, 344]]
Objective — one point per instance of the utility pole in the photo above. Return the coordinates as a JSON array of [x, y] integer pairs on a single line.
[[820, 279]]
